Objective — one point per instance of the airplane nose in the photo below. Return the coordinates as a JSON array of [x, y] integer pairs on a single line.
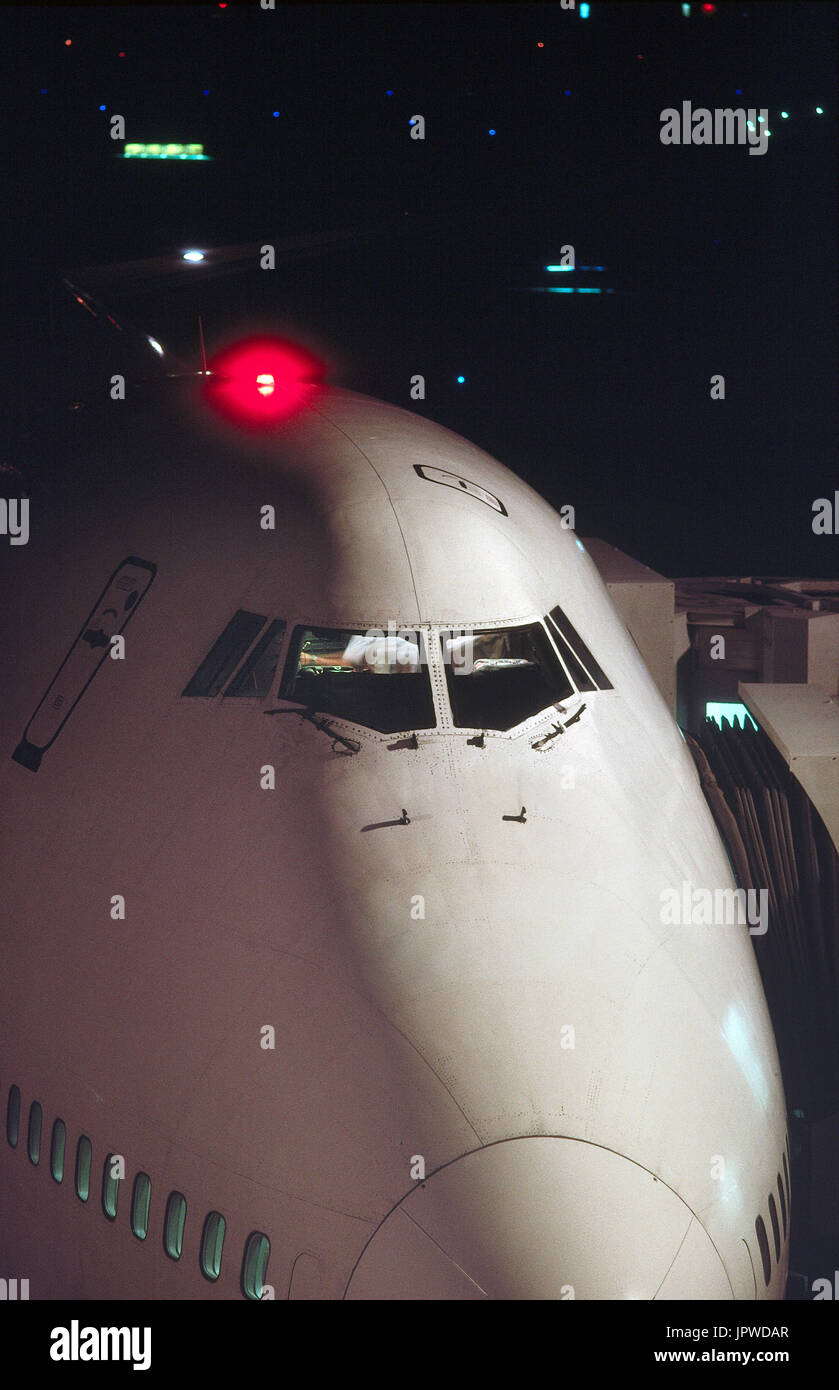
[[540, 1218]]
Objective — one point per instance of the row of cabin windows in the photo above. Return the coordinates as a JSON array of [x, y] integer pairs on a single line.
[[510, 674], [257, 1246], [778, 1239]]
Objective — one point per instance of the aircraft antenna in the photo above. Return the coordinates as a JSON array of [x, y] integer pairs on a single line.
[[203, 353]]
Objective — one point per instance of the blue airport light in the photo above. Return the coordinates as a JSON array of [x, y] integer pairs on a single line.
[[584, 10], [461, 379]]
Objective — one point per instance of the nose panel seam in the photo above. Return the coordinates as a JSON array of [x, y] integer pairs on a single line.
[[691, 1220]]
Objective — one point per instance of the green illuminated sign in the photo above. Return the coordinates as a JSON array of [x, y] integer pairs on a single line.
[[137, 151], [734, 713]]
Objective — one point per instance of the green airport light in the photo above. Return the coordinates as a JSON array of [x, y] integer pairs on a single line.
[[138, 150]]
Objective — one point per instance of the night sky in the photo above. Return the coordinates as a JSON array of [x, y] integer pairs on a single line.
[[718, 261]]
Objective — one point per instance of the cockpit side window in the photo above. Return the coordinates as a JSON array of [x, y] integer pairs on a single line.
[[367, 677], [576, 655], [225, 654], [256, 677], [498, 678]]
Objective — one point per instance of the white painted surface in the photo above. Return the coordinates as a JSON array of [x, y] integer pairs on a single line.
[[394, 1037]]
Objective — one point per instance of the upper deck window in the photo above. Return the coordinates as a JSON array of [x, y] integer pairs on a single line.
[[335, 671], [498, 678]]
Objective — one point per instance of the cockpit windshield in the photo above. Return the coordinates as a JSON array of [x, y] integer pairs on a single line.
[[497, 678], [340, 672]]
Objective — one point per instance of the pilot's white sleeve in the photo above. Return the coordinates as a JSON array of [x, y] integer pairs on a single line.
[[357, 649], [382, 653]]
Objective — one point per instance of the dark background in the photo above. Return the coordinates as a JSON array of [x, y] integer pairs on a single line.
[[719, 261]]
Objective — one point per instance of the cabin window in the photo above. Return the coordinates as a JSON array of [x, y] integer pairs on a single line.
[[140, 1199], [585, 671], [372, 678], [497, 678], [212, 1243], [57, 1147], [36, 1116], [84, 1159], [110, 1187], [783, 1202], [786, 1180], [173, 1229], [776, 1230], [225, 654], [255, 1264], [256, 677], [763, 1243], [13, 1116]]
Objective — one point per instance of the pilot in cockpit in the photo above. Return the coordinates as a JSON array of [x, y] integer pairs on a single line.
[[398, 656], [380, 654]]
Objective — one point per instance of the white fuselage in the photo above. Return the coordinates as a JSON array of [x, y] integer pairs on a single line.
[[428, 1045]]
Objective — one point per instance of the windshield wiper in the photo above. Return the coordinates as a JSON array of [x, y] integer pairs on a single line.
[[559, 728], [308, 713]]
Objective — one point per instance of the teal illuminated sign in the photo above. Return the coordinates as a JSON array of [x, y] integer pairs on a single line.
[[733, 713], [139, 151]]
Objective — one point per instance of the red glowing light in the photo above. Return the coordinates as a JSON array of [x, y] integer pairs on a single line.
[[67, 43], [708, 9], [262, 381], [540, 45]]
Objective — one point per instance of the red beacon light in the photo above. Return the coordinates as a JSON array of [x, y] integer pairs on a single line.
[[262, 381]]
